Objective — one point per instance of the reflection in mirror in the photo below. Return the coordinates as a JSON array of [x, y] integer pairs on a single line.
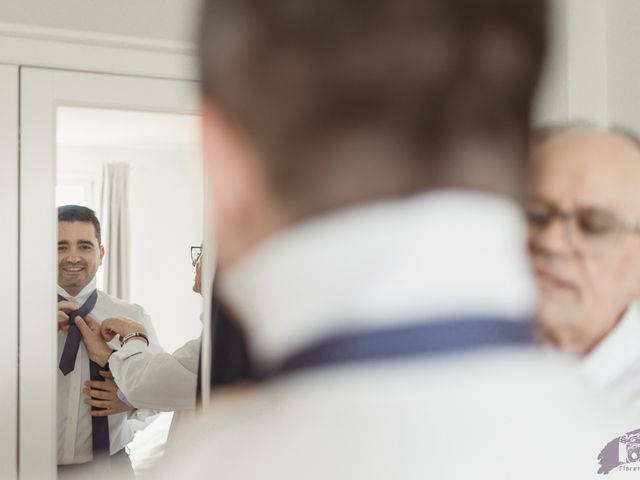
[[141, 173]]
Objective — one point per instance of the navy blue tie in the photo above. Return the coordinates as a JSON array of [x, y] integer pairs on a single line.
[[70, 351], [100, 425]]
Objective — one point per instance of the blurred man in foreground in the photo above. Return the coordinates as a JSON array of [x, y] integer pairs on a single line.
[[584, 217], [365, 161]]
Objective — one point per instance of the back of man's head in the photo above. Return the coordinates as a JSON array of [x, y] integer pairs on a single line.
[[347, 101], [78, 213]]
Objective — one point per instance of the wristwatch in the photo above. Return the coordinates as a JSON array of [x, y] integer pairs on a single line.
[[131, 335]]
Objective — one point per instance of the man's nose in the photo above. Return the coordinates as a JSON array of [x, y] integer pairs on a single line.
[[554, 238], [72, 257]]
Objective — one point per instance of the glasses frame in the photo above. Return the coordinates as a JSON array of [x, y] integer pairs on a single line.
[[623, 224], [196, 254]]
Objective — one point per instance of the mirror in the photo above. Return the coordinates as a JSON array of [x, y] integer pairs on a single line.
[[141, 172]]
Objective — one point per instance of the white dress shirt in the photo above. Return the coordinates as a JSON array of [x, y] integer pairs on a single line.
[[74, 416], [507, 413], [614, 363], [160, 381]]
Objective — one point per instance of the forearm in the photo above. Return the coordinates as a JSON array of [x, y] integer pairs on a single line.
[[153, 381]]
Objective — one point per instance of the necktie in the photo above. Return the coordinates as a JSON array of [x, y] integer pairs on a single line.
[[70, 351], [438, 337], [100, 425]]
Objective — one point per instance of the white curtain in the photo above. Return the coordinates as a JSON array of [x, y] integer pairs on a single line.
[[115, 229]]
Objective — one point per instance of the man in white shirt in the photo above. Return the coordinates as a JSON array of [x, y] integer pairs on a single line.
[[84, 433], [366, 159], [584, 217]]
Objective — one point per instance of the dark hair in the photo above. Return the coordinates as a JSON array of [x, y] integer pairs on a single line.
[[77, 213], [347, 101]]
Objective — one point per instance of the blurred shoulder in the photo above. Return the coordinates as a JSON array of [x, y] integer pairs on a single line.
[[417, 417]]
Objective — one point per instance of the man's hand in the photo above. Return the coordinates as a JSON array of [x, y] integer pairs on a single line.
[[64, 307], [99, 351], [122, 326], [104, 395]]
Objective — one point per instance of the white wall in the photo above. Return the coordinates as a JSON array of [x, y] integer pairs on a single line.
[[623, 45], [576, 81], [166, 219], [552, 103], [594, 68], [587, 60]]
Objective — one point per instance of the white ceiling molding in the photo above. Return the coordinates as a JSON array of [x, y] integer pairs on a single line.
[[35, 46], [93, 38]]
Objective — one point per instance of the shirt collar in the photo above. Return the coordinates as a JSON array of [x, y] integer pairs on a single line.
[[82, 296], [439, 253], [617, 352]]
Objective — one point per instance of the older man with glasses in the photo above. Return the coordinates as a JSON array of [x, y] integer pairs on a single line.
[[584, 223], [170, 382], [166, 381]]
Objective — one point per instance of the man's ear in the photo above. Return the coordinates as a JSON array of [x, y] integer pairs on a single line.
[[101, 254], [234, 166], [234, 173], [244, 208], [223, 144]]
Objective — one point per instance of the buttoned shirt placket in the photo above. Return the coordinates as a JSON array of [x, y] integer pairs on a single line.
[[72, 409]]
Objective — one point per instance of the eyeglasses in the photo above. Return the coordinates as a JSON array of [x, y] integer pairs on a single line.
[[196, 253], [590, 230]]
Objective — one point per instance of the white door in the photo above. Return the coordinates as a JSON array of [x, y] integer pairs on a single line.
[[44, 94], [9, 269]]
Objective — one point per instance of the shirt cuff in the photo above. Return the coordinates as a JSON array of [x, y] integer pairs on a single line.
[[123, 398], [132, 347]]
